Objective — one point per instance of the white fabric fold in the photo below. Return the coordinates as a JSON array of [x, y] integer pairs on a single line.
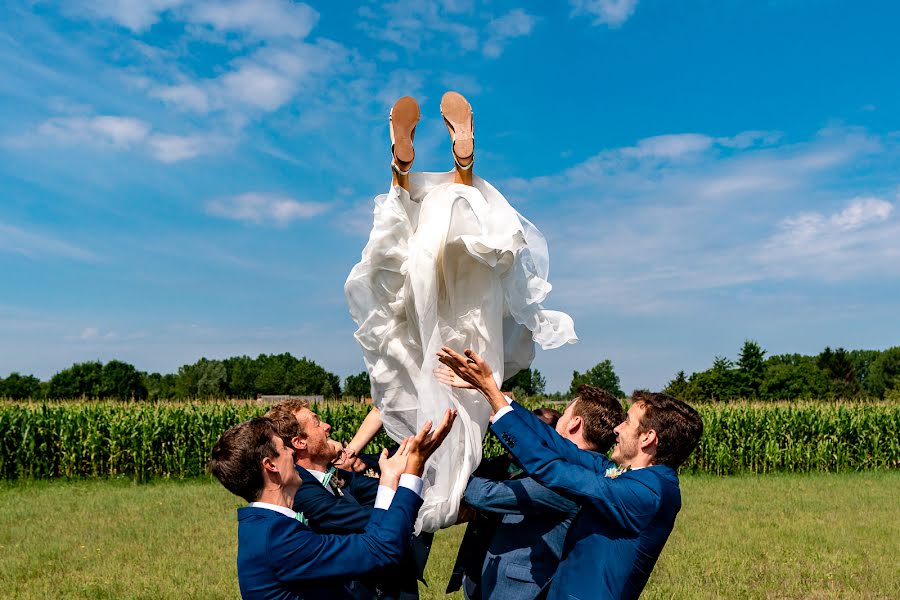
[[448, 265]]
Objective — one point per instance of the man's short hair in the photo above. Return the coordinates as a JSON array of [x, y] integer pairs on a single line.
[[289, 406], [677, 425], [237, 456], [548, 415], [286, 425], [601, 412]]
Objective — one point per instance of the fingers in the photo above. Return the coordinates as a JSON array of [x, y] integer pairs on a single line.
[[426, 428], [404, 447], [453, 354]]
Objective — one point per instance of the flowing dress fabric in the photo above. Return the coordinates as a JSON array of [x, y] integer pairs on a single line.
[[448, 265]]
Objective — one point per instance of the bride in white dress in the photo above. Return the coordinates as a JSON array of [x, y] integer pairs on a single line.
[[447, 264]]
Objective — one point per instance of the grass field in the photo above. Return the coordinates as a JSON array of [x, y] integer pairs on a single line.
[[777, 536]]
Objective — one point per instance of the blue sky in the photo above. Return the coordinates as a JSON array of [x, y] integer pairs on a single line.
[[195, 178]]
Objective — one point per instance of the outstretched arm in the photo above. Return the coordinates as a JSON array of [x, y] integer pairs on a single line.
[[625, 501], [518, 496]]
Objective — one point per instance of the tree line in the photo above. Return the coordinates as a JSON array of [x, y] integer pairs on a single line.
[[830, 374]]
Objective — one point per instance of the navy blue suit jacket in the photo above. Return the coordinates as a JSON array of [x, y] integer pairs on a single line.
[[328, 513], [526, 548], [624, 522], [279, 558]]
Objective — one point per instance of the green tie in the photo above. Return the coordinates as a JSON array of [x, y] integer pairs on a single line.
[[299, 516], [327, 481]]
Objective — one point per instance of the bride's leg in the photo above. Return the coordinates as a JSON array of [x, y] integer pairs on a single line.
[[457, 114], [403, 119]]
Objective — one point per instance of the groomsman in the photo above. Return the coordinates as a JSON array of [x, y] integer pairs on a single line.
[[279, 556], [628, 504], [527, 546], [338, 501]]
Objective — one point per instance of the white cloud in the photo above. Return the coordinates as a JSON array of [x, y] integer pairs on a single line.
[[515, 23], [422, 26], [613, 13], [174, 148], [258, 18], [263, 208], [186, 96], [121, 132], [137, 15], [34, 245]]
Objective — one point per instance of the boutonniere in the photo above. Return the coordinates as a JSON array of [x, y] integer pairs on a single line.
[[614, 472]]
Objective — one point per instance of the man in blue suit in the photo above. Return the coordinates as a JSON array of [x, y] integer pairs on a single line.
[[337, 501], [526, 548], [628, 504], [279, 556]]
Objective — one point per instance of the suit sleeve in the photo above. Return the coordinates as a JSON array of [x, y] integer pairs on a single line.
[[626, 501], [297, 554], [329, 514], [517, 496], [558, 444]]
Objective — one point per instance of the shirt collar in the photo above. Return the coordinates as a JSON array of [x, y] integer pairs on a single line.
[[281, 509]]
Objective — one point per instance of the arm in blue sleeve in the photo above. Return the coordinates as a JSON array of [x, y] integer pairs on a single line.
[[625, 501], [297, 554], [518, 496]]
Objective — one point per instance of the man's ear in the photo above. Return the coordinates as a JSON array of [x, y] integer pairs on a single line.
[[296, 441], [575, 423], [648, 440], [269, 465]]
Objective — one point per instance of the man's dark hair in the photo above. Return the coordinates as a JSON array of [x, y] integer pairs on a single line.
[[677, 425], [547, 415], [237, 456], [601, 413]]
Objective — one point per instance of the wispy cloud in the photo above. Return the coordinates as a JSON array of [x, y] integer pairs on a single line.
[[36, 245], [262, 209], [515, 23], [612, 13], [655, 227]]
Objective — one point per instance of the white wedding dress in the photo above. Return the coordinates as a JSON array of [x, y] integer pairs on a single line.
[[448, 265]]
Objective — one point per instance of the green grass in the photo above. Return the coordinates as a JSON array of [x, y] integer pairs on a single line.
[[776, 536]]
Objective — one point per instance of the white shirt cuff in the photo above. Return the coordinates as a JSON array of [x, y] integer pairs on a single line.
[[500, 413], [384, 497], [412, 482]]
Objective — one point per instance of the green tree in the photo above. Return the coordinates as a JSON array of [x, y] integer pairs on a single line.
[[752, 368], [837, 364], [884, 375], [121, 381], [358, 386], [79, 380], [160, 387], [204, 379], [242, 373], [20, 387], [601, 375], [679, 387], [529, 381], [794, 376]]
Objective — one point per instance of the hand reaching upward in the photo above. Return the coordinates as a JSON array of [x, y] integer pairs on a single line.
[[447, 376], [473, 370], [423, 445]]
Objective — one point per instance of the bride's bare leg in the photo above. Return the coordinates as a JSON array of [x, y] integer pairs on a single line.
[[457, 114], [403, 120]]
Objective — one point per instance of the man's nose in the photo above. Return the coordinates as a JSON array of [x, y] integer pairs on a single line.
[[327, 427]]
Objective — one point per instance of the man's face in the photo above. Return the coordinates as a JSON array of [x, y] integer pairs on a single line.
[[284, 460], [562, 426], [628, 436], [318, 433]]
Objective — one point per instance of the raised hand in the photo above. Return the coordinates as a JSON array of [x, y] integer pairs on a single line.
[[423, 445], [392, 468], [470, 368], [445, 375]]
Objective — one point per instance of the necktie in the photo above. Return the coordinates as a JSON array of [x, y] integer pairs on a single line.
[[299, 516], [331, 481]]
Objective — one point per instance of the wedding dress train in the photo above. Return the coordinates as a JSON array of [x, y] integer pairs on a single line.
[[452, 265]]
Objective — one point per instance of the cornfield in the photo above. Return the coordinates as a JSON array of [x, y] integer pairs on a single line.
[[173, 440]]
